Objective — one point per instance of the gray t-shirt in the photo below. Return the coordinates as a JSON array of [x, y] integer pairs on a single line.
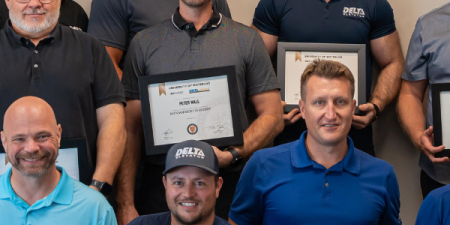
[[115, 22], [175, 45], [428, 58]]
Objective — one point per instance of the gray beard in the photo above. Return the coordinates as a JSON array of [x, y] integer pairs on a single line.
[[195, 3], [18, 21]]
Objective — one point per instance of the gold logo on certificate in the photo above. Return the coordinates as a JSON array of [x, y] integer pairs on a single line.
[[162, 89], [192, 128]]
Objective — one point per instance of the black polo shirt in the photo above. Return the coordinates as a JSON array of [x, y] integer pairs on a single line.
[[115, 22], [71, 14], [70, 69]]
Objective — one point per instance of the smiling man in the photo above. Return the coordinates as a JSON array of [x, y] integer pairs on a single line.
[[192, 183], [320, 178], [34, 190]]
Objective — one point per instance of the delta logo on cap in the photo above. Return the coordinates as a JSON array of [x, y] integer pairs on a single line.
[[190, 152]]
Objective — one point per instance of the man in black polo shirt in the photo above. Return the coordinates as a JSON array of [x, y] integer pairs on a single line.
[[70, 70], [199, 37], [115, 22], [347, 22], [72, 14]]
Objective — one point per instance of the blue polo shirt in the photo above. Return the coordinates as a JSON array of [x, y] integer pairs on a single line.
[[71, 202], [435, 209], [283, 185]]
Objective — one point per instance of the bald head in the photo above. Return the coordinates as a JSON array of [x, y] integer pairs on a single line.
[[26, 108]]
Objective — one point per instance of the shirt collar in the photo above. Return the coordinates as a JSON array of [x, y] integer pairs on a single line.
[[62, 194], [55, 33], [214, 21], [301, 158]]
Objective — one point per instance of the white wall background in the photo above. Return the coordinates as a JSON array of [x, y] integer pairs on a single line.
[[390, 142]]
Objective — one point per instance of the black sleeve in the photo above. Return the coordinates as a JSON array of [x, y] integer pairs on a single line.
[[222, 7], [383, 23], [267, 17], [73, 15], [133, 68], [109, 23], [4, 14], [106, 85]]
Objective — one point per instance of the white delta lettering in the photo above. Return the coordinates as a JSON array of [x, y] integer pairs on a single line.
[[353, 11], [190, 152]]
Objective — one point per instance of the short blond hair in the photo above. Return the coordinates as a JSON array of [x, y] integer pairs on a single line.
[[327, 69]]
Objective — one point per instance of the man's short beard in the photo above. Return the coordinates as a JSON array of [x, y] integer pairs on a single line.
[[34, 174], [197, 220], [50, 19], [195, 3]]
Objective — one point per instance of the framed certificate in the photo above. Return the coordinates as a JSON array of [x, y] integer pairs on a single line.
[[190, 105], [440, 94], [72, 157], [293, 58]]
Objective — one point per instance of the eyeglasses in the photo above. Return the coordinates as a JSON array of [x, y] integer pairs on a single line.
[[41, 1]]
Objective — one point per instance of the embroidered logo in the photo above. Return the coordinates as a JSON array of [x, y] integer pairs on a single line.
[[190, 152], [76, 28], [353, 11]]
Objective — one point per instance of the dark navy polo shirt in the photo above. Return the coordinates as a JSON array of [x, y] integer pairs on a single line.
[[339, 21], [165, 219], [283, 185], [435, 208], [70, 69], [71, 14], [115, 22]]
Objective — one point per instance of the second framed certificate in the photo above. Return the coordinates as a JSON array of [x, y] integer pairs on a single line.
[[440, 93], [293, 58], [190, 105]]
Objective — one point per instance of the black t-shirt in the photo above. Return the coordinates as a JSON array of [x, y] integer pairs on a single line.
[[164, 219], [71, 70], [71, 14]]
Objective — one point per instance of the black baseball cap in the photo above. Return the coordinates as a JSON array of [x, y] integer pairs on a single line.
[[192, 153]]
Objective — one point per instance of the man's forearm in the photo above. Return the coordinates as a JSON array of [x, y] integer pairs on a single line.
[[260, 133], [110, 148], [388, 85], [411, 116], [126, 174]]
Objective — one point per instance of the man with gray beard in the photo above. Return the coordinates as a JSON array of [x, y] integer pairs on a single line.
[[72, 72]]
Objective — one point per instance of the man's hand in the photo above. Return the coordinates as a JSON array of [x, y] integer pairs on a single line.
[[426, 146], [125, 214], [224, 157], [292, 116], [359, 122]]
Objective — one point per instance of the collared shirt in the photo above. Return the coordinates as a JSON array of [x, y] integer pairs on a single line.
[[435, 208], [116, 22], [71, 14], [165, 219], [70, 70], [427, 59], [176, 45], [71, 202], [283, 185]]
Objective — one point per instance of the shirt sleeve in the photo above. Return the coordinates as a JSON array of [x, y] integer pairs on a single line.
[[267, 18], [248, 203], [260, 75], [416, 62], [391, 215], [134, 67], [106, 84], [222, 7], [383, 23], [109, 218], [429, 211], [108, 22]]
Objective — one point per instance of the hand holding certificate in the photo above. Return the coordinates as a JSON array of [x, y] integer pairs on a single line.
[[195, 105]]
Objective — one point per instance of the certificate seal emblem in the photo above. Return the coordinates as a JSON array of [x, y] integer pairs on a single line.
[[192, 128]]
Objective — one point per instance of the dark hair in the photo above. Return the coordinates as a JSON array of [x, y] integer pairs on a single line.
[[327, 69]]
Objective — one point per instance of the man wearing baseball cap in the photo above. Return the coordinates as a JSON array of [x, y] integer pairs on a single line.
[[192, 182]]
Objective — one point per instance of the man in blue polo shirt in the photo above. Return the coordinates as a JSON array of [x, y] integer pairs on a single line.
[[435, 208], [320, 178], [34, 190], [369, 22]]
